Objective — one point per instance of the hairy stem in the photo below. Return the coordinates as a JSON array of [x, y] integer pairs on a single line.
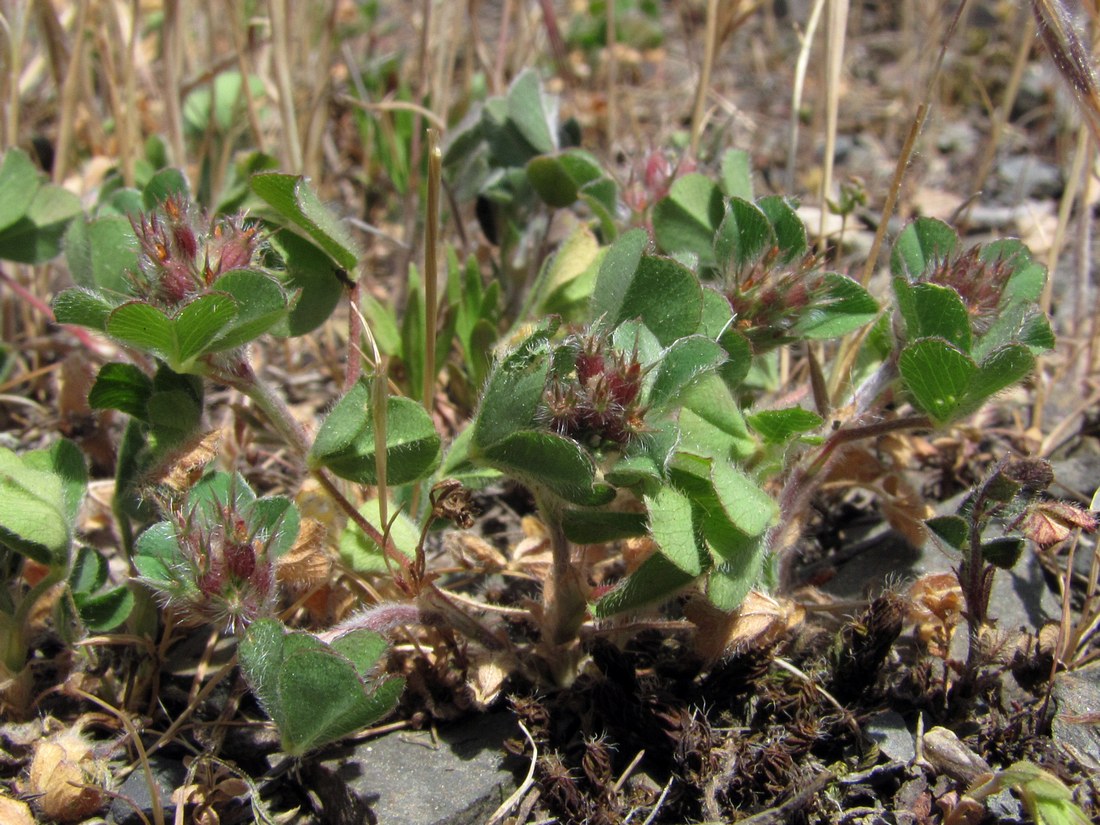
[[243, 378]]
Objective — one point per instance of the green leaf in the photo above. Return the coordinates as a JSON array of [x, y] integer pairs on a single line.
[[952, 529], [261, 304], [123, 387], [293, 198], [36, 237], [549, 462], [665, 296], [558, 178], [216, 491], [310, 270], [839, 306], [601, 195], [199, 324], [101, 253], [99, 611], [363, 648], [1001, 369], [672, 525], [82, 307], [743, 238], [64, 460], [163, 185], [711, 423], [729, 581], [157, 555], [921, 246], [570, 276], [937, 375], [744, 503], [933, 311], [89, 571], [19, 181], [178, 341], [1036, 334], [656, 580], [514, 391], [717, 313], [345, 441], [309, 681], [105, 611], [790, 232], [738, 357], [616, 275], [33, 521], [529, 111], [635, 470], [145, 327], [599, 526], [359, 552], [1003, 552], [174, 416], [686, 219], [683, 362], [779, 426], [737, 174], [1028, 277], [275, 521], [314, 693]]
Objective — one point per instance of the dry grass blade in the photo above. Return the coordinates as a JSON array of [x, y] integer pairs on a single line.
[[513, 800], [1071, 58], [835, 36]]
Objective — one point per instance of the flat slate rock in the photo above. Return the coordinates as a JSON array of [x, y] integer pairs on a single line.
[[407, 779], [1076, 698], [1020, 598]]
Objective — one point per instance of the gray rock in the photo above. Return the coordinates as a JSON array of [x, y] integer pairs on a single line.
[[1078, 473], [134, 794], [406, 779], [1076, 698], [1024, 176], [1020, 598], [889, 731], [958, 136]]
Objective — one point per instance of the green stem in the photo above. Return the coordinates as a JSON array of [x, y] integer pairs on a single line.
[[15, 641], [564, 597], [243, 378]]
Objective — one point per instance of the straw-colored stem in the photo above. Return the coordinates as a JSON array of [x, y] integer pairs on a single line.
[[1065, 208], [431, 266], [612, 75], [835, 35], [292, 142], [172, 36], [14, 31], [69, 96], [317, 115], [801, 65], [1065, 211], [1083, 245], [240, 40], [710, 46]]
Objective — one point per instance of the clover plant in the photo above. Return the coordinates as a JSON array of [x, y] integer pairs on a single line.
[[41, 493], [191, 292], [631, 419], [630, 396]]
